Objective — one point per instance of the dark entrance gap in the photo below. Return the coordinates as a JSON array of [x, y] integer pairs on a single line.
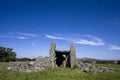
[[62, 58]]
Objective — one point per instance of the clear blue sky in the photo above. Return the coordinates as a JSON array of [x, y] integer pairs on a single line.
[[29, 27]]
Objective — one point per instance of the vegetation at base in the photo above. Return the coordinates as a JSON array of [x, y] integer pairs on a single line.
[[7, 54], [59, 74], [24, 59]]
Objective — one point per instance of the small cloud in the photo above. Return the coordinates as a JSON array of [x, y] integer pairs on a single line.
[[87, 42], [94, 41], [5, 43], [15, 37], [21, 37], [82, 39], [114, 47], [94, 37], [10, 33], [54, 37], [3, 36], [33, 43], [28, 34]]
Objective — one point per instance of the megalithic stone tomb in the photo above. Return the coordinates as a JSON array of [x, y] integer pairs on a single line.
[[62, 58]]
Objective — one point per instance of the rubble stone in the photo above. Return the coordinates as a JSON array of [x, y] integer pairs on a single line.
[[85, 67], [40, 64]]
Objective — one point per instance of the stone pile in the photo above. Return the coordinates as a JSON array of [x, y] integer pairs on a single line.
[[88, 68], [40, 64], [45, 62]]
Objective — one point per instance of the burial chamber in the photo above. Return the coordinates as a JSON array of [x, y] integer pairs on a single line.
[[62, 58]]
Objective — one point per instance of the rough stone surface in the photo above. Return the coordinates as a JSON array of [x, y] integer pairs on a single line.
[[40, 64], [52, 54], [72, 55], [85, 67], [44, 62], [69, 59]]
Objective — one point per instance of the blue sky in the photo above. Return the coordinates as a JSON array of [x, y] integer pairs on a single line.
[[29, 27]]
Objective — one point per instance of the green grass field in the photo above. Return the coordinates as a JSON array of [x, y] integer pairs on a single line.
[[59, 74]]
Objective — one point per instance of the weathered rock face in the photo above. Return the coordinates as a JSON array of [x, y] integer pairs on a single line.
[[52, 54], [65, 58], [44, 62], [40, 64], [88, 68], [72, 55]]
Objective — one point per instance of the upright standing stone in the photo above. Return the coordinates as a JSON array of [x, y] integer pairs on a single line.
[[52, 54], [72, 55], [65, 58]]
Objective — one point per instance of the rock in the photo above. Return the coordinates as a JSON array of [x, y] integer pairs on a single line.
[[88, 68], [31, 63], [9, 68], [45, 62], [40, 64]]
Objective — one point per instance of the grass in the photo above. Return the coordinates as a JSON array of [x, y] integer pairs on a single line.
[[59, 74]]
